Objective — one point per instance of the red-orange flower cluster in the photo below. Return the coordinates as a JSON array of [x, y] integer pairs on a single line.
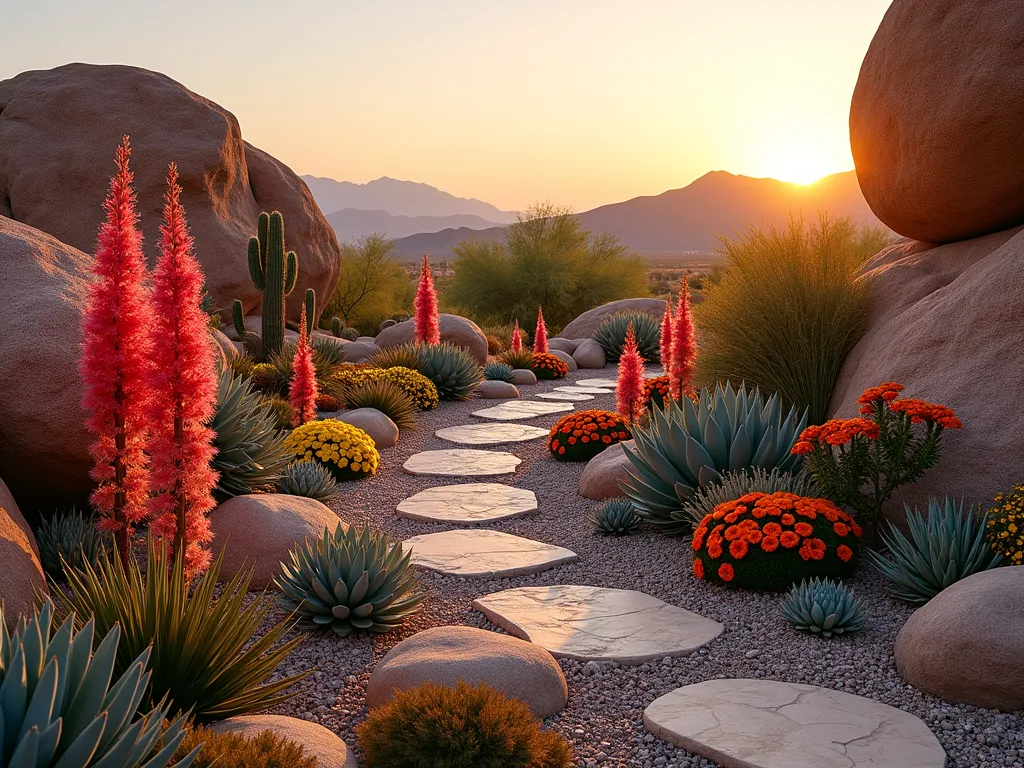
[[581, 435], [887, 391], [920, 411], [548, 366], [836, 432]]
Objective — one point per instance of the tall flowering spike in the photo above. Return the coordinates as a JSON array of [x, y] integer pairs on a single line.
[[183, 387], [665, 343], [540, 335], [115, 361], [684, 346], [302, 392], [517, 338], [428, 329], [630, 388]]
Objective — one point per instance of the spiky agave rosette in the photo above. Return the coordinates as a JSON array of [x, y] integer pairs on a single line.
[[823, 607]]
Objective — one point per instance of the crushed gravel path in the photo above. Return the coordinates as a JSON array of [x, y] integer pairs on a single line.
[[603, 719]]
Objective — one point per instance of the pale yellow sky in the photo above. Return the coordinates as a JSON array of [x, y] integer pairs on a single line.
[[581, 102]]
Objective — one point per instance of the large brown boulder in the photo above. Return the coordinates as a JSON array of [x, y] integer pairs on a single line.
[[966, 645], [44, 454], [935, 119], [258, 531], [583, 327], [446, 655], [85, 109], [9, 505], [21, 575], [458, 330], [946, 323], [601, 476]]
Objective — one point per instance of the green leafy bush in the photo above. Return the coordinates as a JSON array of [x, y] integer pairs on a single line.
[[350, 579], [309, 479], [788, 309], [63, 705], [823, 607], [372, 284], [73, 537], [943, 547], [616, 517], [208, 655], [457, 728], [233, 750], [250, 449], [770, 541], [611, 335], [519, 360]]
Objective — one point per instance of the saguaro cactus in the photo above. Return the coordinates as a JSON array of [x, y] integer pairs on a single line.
[[274, 271]]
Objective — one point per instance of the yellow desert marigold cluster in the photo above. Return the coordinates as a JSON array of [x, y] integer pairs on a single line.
[[548, 366], [580, 436], [353, 374], [418, 387], [771, 541], [1005, 525], [348, 452]]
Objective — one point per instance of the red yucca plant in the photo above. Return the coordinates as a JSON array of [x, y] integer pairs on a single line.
[[630, 389], [428, 329], [302, 391], [665, 342], [115, 359], [183, 393], [684, 346], [517, 338], [540, 335]]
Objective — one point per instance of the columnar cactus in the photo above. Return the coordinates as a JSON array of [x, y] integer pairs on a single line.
[[274, 271]]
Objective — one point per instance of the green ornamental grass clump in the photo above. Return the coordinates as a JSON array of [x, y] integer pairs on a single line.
[[460, 727], [498, 372], [519, 359], [611, 335], [387, 397], [233, 750]]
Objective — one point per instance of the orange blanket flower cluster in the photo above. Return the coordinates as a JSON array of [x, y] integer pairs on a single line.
[[548, 366], [581, 435], [769, 541]]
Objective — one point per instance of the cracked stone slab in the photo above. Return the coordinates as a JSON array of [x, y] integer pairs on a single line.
[[468, 504], [606, 383], [570, 396], [597, 623], [521, 409], [484, 554], [584, 390], [769, 724], [461, 462], [491, 434]]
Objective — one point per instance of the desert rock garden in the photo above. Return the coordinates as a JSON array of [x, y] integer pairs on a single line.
[[781, 526]]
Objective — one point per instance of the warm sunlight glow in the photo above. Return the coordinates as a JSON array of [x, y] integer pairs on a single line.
[[803, 158]]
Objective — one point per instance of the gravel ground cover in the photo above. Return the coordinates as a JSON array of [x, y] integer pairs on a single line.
[[603, 719]]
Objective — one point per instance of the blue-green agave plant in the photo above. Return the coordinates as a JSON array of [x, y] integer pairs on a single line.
[[60, 706], [942, 548], [688, 446], [823, 607]]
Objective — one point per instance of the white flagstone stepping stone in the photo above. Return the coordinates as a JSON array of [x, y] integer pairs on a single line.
[[491, 434], [597, 623], [484, 553], [461, 462], [584, 390], [469, 504], [521, 409], [571, 396], [769, 724], [607, 383]]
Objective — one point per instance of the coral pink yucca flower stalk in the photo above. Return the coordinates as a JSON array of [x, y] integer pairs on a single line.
[[684, 346], [114, 364], [302, 392], [183, 388], [665, 343], [540, 335], [517, 338], [629, 390], [427, 326]]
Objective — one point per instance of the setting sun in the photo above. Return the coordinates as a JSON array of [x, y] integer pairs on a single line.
[[804, 159]]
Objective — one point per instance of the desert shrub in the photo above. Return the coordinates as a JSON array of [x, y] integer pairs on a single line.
[[264, 378], [342, 331], [250, 452], [616, 517], [453, 371], [241, 365], [309, 479], [611, 335], [495, 345], [351, 374], [943, 547], [208, 655], [1004, 525], [328, 403], [771, 541], [372, 284], [280, 410], [233, 750], [371, 583], [386, 396], [441, 727], [546, 259], [788, 309], [823, 607], [329, 351], [347, 452], [548, 366], [72, 537], [400, 356], [581, 435], [418, 387], [498, 372], [519, 360]]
